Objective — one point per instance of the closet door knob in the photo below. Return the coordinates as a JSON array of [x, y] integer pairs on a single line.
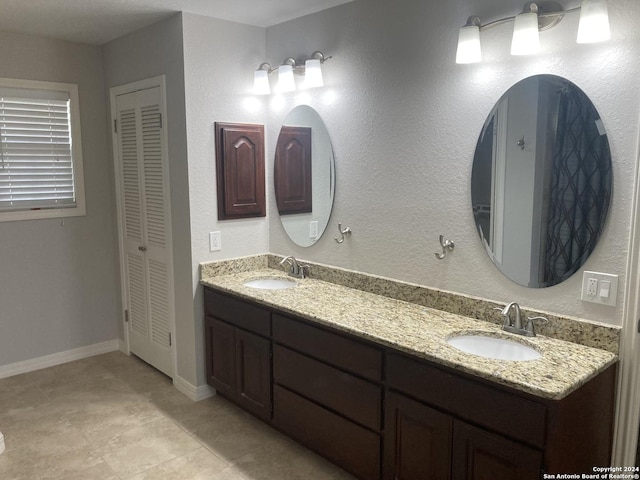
[[142, 248]]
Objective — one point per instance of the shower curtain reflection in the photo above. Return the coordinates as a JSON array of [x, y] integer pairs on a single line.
[[580, 192]]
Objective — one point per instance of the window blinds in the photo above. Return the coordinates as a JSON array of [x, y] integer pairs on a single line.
[[36, 165]]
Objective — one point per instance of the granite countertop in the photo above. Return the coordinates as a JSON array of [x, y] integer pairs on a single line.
[[423, 332]]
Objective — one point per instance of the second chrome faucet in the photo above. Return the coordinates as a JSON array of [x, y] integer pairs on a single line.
[[514, 325]]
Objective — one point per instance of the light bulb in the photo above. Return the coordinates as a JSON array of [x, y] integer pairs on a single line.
[[594, 22], [469, 49], [286, 82], [313, 73], [261, 83], [526, 39]]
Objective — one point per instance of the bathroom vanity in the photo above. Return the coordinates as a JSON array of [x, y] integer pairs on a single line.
[[370, 383]]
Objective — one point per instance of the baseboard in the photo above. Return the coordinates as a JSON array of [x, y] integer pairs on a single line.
[[58, 358], [194, 393]]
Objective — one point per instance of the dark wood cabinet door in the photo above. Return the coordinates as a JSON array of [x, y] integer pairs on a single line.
[[293, 170], [221, 356], [481, 455], [240, 170], [417, 442], [253, 373]]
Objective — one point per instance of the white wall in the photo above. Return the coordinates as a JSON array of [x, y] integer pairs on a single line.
[[58, 283], [404, 121], [157, 50], [219, 60]]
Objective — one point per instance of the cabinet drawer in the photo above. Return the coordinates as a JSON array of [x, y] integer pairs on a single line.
[[357, 399], [237, 312], [330, 347], [491, 407], [351, 446]]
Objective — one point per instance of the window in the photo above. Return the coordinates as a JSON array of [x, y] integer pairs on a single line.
[[40, 151]]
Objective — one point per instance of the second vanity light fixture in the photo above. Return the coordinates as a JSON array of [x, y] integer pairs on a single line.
[[310, 68], [535, 17]]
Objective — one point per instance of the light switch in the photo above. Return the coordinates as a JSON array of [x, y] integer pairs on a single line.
[[313, 229], [599, 288]]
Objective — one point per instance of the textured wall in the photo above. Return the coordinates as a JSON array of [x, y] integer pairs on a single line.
[[404, 121], [58, 283], [219, 59]]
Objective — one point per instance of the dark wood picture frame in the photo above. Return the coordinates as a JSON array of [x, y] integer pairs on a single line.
[[240, 170]]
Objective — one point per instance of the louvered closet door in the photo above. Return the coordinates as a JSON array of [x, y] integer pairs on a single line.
[[145, 208]]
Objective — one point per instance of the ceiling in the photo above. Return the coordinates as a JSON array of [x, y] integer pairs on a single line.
[[99, 21]]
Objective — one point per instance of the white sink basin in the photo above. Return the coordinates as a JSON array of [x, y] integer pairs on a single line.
[[493, 347], [271, 283]]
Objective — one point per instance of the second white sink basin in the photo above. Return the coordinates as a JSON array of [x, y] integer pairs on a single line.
[[493, 347], [271, 283]]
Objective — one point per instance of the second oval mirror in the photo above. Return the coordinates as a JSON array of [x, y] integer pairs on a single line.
[[304, 176], [541, 181]]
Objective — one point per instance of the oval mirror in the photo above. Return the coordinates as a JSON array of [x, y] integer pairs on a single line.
[[541, 181], [304, 175]]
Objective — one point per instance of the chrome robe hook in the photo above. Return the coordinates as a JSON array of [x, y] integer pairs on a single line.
[[343, 233], [446, 245]]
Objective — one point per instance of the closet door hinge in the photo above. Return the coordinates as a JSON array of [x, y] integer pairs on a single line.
[[126, 316], [170, 341], [639, 325], [115, 126]]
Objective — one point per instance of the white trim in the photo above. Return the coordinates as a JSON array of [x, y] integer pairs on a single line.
[[121, 248], [1, 442], [625, 440], [57, 358], [77, 164], [194, 393]]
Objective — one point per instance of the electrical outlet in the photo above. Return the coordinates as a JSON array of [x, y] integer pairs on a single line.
[[215, 241], [601, 288]]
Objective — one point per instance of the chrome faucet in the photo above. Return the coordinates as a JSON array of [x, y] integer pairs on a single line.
[[517, 321], [515, 325], [296, 269]]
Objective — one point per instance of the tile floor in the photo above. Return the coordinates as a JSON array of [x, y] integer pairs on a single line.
[[113, 417]]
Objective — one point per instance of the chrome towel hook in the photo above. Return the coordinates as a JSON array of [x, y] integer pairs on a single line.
[[446, 245], [343, 233]]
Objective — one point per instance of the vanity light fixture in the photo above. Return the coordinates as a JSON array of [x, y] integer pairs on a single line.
[[535, 17], [310, 68]]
